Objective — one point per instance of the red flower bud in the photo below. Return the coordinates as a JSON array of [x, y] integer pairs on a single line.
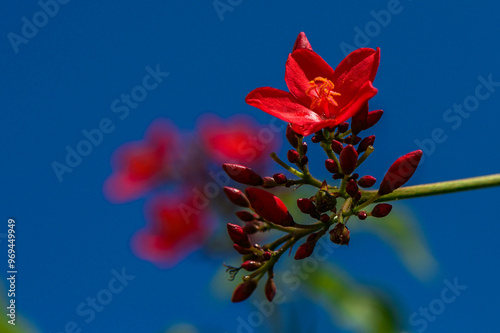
[[337, 147], [302, 42], [250, 228], [304, 160], [292, 137], [269, 182], [343, 127], [352, 188], [340, 234], [348, 159], [367, 181], [331, 166], [270, 290], [305, 250], [243, 291], [269, 206], [325, 218], [381, 210], [306, 206], [368, 141], [266, 255], [280, 178], [304, 148], [251, 265], [246, 216], [373, 118], [293, 156], [349, 140], [337, 176], [400, 172], [241, 250], [238, 236], [242, 174], [358, 121], [316, 139], [362, 215], [236, 197]]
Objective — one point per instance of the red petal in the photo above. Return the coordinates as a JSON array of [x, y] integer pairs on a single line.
[[354, 71], [303, 66], [282, 105], [357, 103]]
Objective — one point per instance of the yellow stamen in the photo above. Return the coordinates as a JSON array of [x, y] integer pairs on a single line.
[[323, 92]]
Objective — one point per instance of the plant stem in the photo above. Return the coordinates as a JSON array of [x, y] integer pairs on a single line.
[[440, 188]]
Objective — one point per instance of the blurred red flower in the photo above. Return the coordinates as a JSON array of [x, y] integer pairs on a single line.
[[141, 165], [175, 229], [320, 97], [238, 139]]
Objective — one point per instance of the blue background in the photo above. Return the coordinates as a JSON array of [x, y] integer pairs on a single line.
[[66, 77]]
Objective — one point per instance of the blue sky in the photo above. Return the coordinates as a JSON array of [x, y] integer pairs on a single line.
[[63, 78]]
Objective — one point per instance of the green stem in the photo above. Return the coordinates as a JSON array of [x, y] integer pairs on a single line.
[[441, 188], [286, 166]]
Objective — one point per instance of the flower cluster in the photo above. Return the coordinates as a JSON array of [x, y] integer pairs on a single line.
[[320, 101], [179, 212]]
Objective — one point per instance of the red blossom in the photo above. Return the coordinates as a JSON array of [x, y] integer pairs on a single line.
[[175, 229], [238, 139], [400, 172], [269, 206], [320, 97], [139, 166]]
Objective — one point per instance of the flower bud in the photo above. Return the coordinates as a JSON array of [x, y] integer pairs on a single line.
[[305, 250], [292, 137], [236, 197], [367, 181], [306, 206], [293, 156], [337, 147], [304, 160], [241, 250], [331, 166], [325, 218], [362, 215], [312, 237], [269, 206], [340, 234], [316, 139], [250, 228], [368, 141], [349, 140], [348, 159], [337, 176], [373, 118], [270, 289], [324, 201], [238, 236], [246, 216], [243, 291], [251, 265], [266, 255], [280, 178], [381, 210], [269, 182], [352, 188], [302, 42], [242, 174], [358, 121], [400, 172], [304, 148], [343, 127]]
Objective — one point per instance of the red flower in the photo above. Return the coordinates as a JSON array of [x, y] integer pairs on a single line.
[[238, 139], [175, 229], [140, 166], [320, 97]]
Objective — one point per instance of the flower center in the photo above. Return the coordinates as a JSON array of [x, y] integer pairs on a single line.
[[322, 93]]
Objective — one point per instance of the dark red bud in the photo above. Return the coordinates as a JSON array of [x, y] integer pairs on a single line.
[[280, 178], [238, 236], [269, 182], [400, 172], [348, 159], [269, 206], [304, 148], [373, 118], [368, 141], [358, 121], [331, 166], [302, 42], [367, 181], [250, 228], [292, 137], [246, 216], [343, 127], [316, 139], [293, 156], [352, 188], [251, 265], [381, 210], [325, 218], [337, 147], [354, 176], [304, 160], [349, 140], [362, 215], [312, 237], [243, 291], [305, 250], [236, 196], [242, 174], [337, 176], [270, 290], [241, 250], [340, 234], [306, 206], [266, 255], [358, 196]]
